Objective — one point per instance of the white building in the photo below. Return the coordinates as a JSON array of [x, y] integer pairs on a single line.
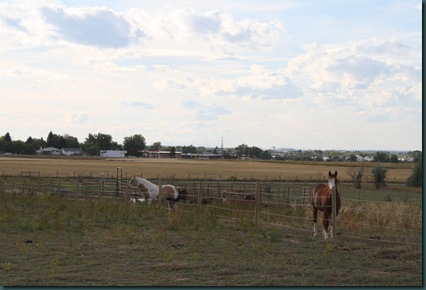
[[113, 153], [72, 151], [49, 151]]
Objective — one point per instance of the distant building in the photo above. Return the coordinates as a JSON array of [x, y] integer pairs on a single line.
[[113, 153], [358, 157], [48, 151], [72, 151], [159, 154], [201, 156]]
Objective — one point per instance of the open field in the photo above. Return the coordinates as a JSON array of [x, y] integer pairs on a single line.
[[192, 169], [94, 237], [50, 240]]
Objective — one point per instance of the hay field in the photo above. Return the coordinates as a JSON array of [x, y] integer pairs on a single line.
[[190, 169]]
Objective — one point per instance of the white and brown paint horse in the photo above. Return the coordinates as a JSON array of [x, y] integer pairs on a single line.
[[151, 191], [322, 197]]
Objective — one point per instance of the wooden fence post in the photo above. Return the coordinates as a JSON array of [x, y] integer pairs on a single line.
[[159, 193], [76, 189], [257, 205], [200, 196], [118, 181], [334, 209]]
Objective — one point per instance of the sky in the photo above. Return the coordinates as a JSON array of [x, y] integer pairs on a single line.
[[300, 74]]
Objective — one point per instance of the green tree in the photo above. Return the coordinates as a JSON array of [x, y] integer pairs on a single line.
[[241, 150], [378, 175], [133, 144], [394, 158], [18, 147], [381, 156], [58, 141], [254, 152], [189, 149], [70, 142], [201, 149], [172, 152], [7, 137], [416, 177], [156, 146], [352, 158], [7, 146], [53, 140], [38, 143], [265, 155], [96, 142]]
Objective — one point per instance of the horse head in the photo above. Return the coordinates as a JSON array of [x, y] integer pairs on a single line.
[[133, 182], [183, 193], [332, 180]]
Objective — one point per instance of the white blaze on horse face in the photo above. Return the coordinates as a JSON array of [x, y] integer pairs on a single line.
[[332, 183]]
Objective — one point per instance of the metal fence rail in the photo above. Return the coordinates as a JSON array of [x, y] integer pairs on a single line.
[[278, 203]]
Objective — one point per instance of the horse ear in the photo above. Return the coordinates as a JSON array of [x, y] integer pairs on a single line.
[[329, 173], [335, 173]]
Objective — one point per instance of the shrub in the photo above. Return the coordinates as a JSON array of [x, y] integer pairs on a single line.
[[378, 175], [416, 178]]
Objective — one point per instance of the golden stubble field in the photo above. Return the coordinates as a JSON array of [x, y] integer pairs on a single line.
[[193, 169]]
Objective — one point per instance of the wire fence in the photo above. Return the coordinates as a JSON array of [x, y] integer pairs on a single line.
[[280, 204]]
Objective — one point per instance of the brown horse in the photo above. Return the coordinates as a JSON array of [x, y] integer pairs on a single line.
[[322, 200]]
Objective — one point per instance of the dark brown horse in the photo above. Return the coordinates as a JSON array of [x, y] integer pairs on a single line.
[[322, 197]]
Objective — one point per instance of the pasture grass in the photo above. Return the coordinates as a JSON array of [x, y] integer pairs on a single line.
[[50, 240], [170, 169]]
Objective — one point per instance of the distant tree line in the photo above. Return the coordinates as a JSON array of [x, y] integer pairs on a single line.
[[94, 143]]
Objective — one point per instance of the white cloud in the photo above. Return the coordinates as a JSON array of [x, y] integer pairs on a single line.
[[237, 64], [105, 28], [213, 29], [91, 26], [346, 73], [205, 112], [136, 104]]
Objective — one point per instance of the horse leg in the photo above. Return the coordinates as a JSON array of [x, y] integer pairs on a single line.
[[325, 222], [315, 221]]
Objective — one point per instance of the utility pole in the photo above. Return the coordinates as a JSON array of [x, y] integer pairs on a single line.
[[221, 147]]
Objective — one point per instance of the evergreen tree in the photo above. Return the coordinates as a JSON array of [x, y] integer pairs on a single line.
[[7, 137]]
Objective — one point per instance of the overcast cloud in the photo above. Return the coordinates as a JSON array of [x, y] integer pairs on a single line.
[[300, 74]]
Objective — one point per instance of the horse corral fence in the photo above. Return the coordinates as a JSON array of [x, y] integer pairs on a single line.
[[280, 204]]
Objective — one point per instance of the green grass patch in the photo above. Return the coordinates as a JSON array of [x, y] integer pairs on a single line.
[[57, 241]]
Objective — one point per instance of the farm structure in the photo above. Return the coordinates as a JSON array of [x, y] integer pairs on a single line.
[[113, 153], [397, 217], [49, 151], [159, 154]]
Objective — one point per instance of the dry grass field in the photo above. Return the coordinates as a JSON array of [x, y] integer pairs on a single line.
[[52, 240], [91, 242], [192, 169]]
